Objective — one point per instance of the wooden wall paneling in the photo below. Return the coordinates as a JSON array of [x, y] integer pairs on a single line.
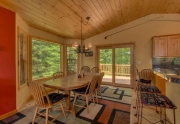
[[102, 14], [126, 11], [51, 17], [177, 7], [67, 13], [62, 17], [136, 6], [108, 15], [35, 14], [108, 7], [93, 19], [171, 6], [98, 15], [77, 9], [115, 10], [149, 5], [132, 10], [119, 10]]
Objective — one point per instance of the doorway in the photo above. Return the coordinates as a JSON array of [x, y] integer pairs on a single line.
[[116, 61]]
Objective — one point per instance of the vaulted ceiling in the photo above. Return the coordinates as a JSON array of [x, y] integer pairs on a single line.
[[63, 17]]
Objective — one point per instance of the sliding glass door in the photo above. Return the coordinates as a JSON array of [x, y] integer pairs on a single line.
[[116, 61], [105, 63]]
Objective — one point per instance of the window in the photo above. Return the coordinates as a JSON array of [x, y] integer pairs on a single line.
[[22, 57], [71, 59], [46, 58]]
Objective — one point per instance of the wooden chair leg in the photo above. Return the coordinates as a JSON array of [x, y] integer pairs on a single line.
[[47, 113], [100, 94], [87, 101], [63, 109], [35, 115], [74, 99], [94, 100], [96, 97]]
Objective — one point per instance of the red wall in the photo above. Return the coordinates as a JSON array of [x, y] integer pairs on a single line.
[[7, 61]]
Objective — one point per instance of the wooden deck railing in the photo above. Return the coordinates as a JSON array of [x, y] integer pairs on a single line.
[[120, 70]]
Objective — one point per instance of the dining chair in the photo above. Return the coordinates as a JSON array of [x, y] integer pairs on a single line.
[[95, 70], [137, 78], [58, 75], [86, 92], [98, 86], [45, 101], [85, 69], [70, 72], [146, 76]]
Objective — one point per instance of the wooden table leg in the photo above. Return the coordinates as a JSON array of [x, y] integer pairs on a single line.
[[68, 99], [68, 102]]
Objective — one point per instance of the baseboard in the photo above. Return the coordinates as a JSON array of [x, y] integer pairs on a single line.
[[8, 114], [27, 99]]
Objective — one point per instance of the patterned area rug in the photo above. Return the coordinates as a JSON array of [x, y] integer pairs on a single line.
[[113, 108]]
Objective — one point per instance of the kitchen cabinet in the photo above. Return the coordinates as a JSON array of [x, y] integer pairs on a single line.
[[166, 46], [159, 46], [174, 45]]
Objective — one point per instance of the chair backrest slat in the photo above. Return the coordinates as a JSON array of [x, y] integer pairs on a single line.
[[85, 69], [100, 79], [39, 94], [57, 75], [95, 70], [146, 74], [70, 72], [92, 84]]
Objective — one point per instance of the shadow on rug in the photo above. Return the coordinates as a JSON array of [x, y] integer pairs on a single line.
[[113, 108]]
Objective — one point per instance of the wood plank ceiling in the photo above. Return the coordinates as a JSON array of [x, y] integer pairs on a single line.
[[63, 17]]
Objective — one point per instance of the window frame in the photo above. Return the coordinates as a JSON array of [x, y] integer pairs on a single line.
[[26, 66], [66, 60], [30, 57]]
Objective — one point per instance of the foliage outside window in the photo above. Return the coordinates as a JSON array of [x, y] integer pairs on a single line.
[[45, 58], [71, 59]]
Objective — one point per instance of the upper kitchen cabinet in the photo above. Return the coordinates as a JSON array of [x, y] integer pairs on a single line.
[[160, 46], [174, 45], [166, 46]]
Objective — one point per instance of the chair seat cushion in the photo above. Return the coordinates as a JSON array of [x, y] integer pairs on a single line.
[[145, 81], [55, 97], [80, 90]]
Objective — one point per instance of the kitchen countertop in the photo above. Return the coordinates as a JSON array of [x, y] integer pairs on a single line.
[[173, 75]]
